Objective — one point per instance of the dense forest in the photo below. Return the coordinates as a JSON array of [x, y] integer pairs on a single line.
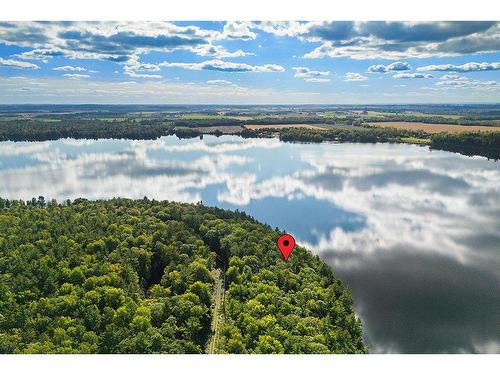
[[354, 134], [36, 130], [468, 143], [137, 276], [483, 143]]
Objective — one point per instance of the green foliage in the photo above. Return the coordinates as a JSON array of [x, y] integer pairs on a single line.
[[135, 276], [470, 143], [354, 134], [274, 306], [90, 128]]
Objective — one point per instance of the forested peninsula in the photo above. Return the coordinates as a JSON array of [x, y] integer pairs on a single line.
[[138, 276]]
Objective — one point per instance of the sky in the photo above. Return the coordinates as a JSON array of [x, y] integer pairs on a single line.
[[290, 62]]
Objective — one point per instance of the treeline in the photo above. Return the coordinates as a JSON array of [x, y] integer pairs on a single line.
[[492, 121], [135, 276], [480, 143], [267, 120], [470, 143], [207, 122], [34, 130], [356, 134]]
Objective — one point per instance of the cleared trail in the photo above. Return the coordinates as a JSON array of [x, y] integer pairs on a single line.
[[216, 312]]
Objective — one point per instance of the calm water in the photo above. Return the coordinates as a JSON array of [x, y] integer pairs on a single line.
[[414, 233]]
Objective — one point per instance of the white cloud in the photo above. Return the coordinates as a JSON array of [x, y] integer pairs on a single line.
[[282, 28], [219, 82], [219, 52], [40, 54], [17, 64], [394, 67], [397, 40], [112, 41], [238, 30], [76, 76], [309, 75], [451, 81], [451, 76], [142, 75], [69, 68], [465, 68], [135, 69], [354, 77], [317, 80], [119, 41], [225, 66], [412, 75]]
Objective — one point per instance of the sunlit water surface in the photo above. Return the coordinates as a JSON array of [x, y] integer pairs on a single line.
[[414, 233]]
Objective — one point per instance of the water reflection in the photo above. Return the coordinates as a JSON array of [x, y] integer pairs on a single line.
[[414, 233]]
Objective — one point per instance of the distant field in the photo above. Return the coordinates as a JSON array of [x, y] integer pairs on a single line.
[[282, 126], [49, 120], [242, 117], [200, 116], [455, 117], [434, 128], [211, 129]]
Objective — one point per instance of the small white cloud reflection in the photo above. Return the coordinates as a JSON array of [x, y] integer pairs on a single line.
[[18, 148], [126, 172], [211, 145]]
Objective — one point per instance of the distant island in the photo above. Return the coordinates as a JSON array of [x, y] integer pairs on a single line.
[[467, 129], [143, 276]]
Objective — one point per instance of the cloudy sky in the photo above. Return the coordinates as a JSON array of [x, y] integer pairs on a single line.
[[249, 62]]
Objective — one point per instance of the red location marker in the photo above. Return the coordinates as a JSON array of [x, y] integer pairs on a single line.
[[286, 244]]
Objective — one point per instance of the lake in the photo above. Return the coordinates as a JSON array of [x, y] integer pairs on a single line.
[[414, 233]]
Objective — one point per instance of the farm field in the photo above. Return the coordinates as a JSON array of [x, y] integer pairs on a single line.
[[434, 128], [282, 126], [230, 129]]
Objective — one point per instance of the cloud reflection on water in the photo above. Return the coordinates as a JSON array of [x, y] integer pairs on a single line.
[[414, 233]]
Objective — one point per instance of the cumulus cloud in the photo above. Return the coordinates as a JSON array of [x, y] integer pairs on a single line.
[[134, 68], [117, 41], [238, 30], [225, 66], [412, 75], [134, 74], [451, 81], [317, 80], [354, 77], [8, 63], [75, 76], [114, 41], [219, 52], [219, 82], [396, 40], [41, 54], [397, 66], [465, 68], [69, 68], [309, 75], [282, 28]]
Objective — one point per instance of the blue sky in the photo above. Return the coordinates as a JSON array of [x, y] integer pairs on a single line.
[[249, 62]]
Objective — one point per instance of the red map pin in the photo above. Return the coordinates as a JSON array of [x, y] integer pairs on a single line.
[[286, 244]]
